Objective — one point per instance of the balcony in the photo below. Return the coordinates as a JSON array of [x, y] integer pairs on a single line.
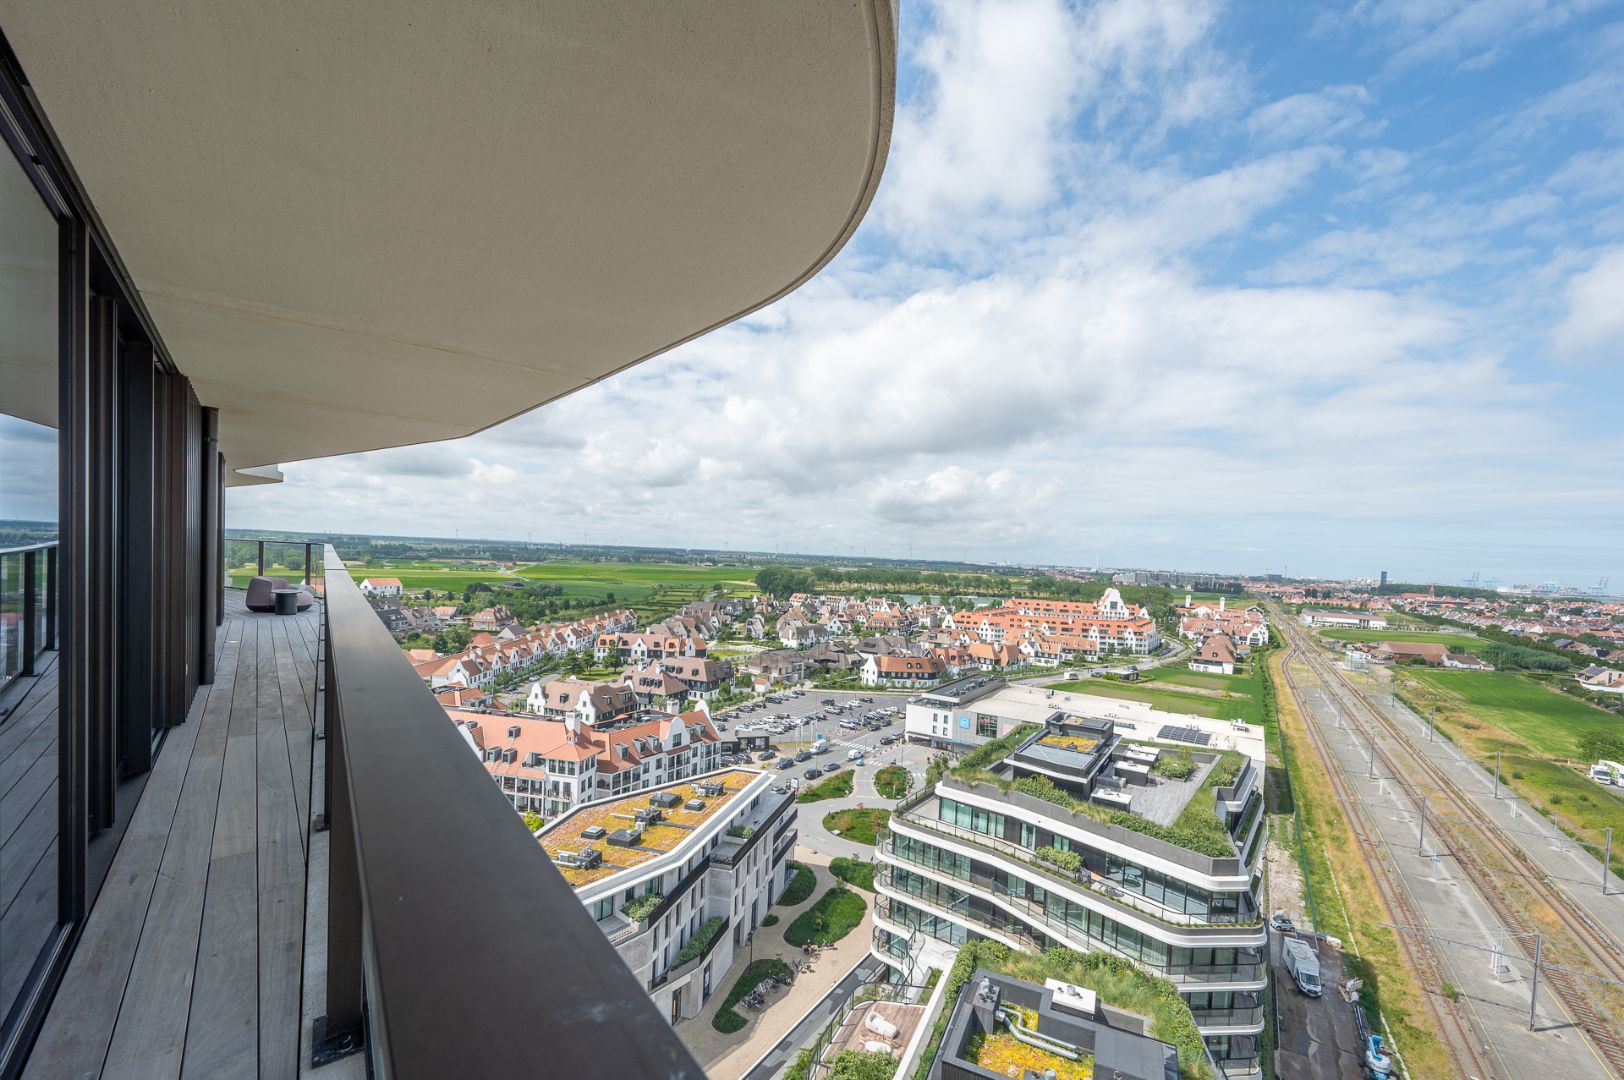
[[1118, 901], [319, 871]]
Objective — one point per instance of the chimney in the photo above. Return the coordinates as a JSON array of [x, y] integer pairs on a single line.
[[572, 723]]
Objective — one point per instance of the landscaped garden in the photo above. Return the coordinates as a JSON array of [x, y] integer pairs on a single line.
[[1006, 1055], [854, 872], [837, 786], [893, 781], [566, 833], [859, 825], [1117, 981], [836, 913], [727, 1020], [800, 886]]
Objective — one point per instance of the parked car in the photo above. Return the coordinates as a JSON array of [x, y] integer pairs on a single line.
[[1282, 924], [804, 755], [887, 740], [813, 773], [786, 763], [766, 755], [866, 700], [831, 767]]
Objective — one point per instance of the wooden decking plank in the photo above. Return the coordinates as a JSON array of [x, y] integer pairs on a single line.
[[150, 1036], [221, 1035], [28, 813], [80, 1026], [283, 735], [28, 924], [36, 706]]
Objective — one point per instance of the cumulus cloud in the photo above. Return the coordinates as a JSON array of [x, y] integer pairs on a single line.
[[1594, 325]]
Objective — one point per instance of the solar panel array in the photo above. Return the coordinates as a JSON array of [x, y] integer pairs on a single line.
[[1173, 733]]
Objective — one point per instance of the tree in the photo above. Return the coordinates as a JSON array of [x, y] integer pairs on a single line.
[[576, 663], [532, 820]]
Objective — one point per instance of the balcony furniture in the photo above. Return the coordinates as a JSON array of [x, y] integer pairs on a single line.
[[262, 594], [287, 601]]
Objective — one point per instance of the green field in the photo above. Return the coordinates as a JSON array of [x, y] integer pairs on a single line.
[[655, 589], [1542, 719], [1535, 731], [1164, 688], [1179, 675], [1455, 642]]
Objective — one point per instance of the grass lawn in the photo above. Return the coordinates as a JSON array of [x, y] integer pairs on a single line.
[[893, 781], [1456, 642], [835, 915], [1177, 675], [1168, 699], [860, 826], [726, 1019], [837, 786], [800, 886], [854, 872], [1535, 730]]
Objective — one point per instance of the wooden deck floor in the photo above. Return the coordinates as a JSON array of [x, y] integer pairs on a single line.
[[191, 959], [28, 826]]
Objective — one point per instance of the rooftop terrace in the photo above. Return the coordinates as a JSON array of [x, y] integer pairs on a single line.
[[595, 826]]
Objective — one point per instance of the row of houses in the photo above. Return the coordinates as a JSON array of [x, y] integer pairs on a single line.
[[490, 657]]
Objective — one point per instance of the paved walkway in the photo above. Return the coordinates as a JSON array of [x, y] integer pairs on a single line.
[[727, 1057], [819, 843]]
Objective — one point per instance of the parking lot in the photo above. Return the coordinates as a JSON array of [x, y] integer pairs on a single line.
[[794, 724]]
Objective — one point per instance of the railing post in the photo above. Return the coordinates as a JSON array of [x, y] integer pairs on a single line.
[[50, 596], [30, 606], [262, 558], [307, 563], [340, 1031]]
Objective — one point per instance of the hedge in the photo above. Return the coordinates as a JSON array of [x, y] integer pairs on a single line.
[[642, 907], [700, 941], [800, 886]]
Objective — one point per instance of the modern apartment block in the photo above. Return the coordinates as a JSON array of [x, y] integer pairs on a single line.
[[1069, 834], [678, 877], [235, 843]]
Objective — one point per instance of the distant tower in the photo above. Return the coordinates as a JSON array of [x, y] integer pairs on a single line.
[[1384, 579]]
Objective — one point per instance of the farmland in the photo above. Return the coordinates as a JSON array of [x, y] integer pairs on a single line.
[[1535, 730], [1456, 642], [654, 589]]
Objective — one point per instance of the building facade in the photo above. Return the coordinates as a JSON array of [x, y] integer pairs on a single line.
[[1039, 865], [677, 915]]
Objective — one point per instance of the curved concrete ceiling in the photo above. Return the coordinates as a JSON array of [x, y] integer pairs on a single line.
[[366, 225]]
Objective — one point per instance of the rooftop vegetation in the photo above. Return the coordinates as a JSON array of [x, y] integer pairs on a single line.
[[1116, 980], [566, 833]]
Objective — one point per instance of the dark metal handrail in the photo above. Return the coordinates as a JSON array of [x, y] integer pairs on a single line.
[[454, 948]]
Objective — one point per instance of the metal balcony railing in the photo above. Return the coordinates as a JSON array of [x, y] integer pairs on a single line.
[[311, 550], [28, 591], [454, 947]]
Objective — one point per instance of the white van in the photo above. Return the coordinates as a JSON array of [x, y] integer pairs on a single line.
[[853, 755]]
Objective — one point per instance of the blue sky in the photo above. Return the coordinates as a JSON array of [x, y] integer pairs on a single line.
[[1338, 288]]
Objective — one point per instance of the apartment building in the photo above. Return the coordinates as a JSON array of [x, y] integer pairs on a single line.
[[1072, 836], [1077, 627], [1360, 620], [549, 765], [221, 226], [901, 670], [679, 876]]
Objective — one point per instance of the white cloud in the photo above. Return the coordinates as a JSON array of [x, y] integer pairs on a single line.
[[1594, 326], [1326, 116]]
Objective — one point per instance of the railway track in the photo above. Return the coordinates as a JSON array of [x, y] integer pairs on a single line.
[[1470, 834], [1459, 1041]]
